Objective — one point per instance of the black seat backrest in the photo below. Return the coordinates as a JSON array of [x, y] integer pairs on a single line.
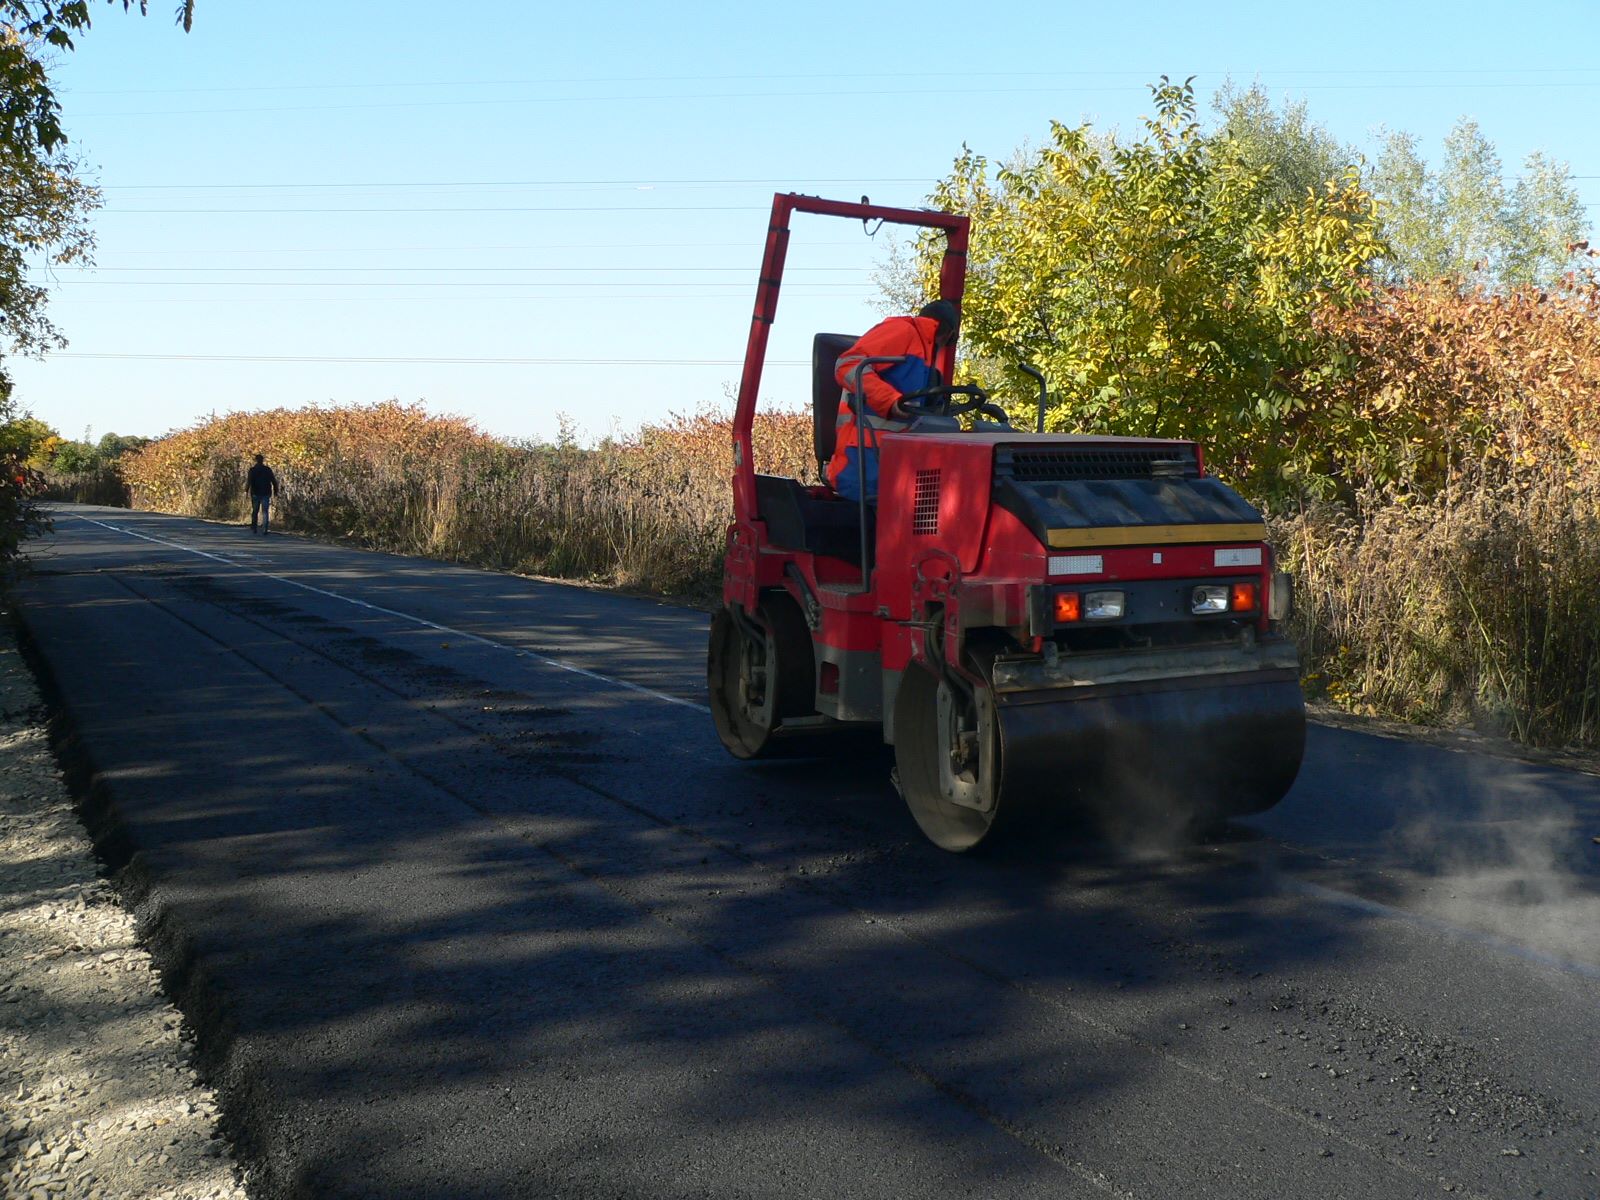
[[826, 392]]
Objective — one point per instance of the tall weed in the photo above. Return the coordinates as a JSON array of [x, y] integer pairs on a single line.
[[1477, 605], [646, 511]]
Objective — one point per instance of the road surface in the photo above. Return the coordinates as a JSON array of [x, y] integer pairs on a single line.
[[453, 877]]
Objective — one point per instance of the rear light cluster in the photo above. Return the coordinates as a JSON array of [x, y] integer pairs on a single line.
[[1089, 606], [1151, 602], [1222, 597]]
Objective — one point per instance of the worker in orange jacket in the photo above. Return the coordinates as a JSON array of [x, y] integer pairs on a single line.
[[917, 340]]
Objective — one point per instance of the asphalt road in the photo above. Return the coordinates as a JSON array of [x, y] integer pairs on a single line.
[[465, 899]]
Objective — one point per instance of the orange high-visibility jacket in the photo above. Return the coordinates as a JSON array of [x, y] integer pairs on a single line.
[[892, 338]]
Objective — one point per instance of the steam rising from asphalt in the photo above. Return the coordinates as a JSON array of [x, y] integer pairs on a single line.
[[1508, 854]]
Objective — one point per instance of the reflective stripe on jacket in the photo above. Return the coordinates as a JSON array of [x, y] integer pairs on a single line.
[[908, 337]]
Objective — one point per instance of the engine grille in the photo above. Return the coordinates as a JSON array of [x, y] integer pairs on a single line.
[[1064, 464]]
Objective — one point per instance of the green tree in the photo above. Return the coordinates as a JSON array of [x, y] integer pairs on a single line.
[[74, 458], [25, 435], [1472, 203], [1408, 195], [1546, 218], [46, 203], [1461, 223], [1165, 285], [114, 445], [30, 115], [44, 210], [1297, 155]]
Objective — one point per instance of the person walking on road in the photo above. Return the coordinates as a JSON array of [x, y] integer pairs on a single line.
[[263, 486]]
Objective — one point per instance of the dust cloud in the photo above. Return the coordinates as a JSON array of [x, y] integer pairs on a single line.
[[1503, 851]]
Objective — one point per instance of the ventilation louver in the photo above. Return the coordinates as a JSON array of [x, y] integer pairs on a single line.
[[925, 503]]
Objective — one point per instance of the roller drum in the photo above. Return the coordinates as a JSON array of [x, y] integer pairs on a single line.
[[1183, 752]]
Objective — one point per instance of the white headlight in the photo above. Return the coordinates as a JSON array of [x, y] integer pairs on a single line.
[[1103, 606], [1209, 598]]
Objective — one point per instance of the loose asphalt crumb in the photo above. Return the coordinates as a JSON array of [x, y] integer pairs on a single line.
[[97, 1094]]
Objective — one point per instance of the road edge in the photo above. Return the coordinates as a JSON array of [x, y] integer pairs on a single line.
[[175, 964]]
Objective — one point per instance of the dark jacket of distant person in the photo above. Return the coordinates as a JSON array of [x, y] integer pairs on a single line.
[[261, 479]]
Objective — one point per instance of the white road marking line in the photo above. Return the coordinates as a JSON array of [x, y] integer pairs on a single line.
[[389, 612], [1300, 887]]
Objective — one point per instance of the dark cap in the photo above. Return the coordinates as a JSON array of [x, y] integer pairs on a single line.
[[261, 458], [948, 316]]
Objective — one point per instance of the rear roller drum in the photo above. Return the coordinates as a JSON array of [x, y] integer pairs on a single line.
[[758, 672]]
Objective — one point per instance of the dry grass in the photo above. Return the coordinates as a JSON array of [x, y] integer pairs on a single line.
[[645, 511], [1476, 607], [102, 485]]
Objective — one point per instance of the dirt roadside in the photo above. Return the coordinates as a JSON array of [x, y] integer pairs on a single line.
[[98, 1097]]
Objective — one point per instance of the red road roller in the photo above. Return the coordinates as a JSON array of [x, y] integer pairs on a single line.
[[1041, 625]]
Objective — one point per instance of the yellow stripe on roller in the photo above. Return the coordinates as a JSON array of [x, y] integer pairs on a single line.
[[1155, 535]]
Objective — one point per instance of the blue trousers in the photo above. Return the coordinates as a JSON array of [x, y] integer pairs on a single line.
[[848, 484]]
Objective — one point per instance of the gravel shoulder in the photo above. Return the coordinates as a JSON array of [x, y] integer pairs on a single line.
[[98, 1094]]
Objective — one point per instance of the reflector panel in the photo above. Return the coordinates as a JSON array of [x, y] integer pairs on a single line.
[[1077, 564], [1238, 558]]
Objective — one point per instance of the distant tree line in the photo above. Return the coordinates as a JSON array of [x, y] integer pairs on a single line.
[[1247, 280]]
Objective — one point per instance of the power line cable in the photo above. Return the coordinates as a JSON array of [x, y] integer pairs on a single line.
[[429, 283], [582, 208], [637, 210], [498, 298], [431, 360], [745, 245], [746, 269], [658, 98], [630, 183], [1140, 74], [638, 185]]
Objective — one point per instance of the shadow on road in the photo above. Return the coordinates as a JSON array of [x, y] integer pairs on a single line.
[[430, 905]]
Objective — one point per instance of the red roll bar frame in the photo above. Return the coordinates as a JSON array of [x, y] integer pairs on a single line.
[[952, 283]]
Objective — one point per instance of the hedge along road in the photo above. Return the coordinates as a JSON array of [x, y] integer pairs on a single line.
[[465, 899]]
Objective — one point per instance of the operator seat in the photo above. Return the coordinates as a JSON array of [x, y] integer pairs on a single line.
[[815, 519], [826, 393]]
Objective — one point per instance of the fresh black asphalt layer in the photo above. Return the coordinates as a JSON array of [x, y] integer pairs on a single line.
[[465, 900]]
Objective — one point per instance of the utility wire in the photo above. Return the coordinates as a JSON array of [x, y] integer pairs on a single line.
[[427, 283], [745, 269], [498, 298], [582, 208], [637, 210], [860, 94], [1007, 74], [428, 359], [744, 245], [632, 184], [629, 183]]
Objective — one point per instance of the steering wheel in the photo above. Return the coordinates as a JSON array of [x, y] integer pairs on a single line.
[[941, 401]]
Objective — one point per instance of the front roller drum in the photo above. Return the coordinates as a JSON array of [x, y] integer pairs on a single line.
[[758, 672], [1165, 760]]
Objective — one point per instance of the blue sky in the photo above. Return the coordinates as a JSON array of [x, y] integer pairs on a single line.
[[305, 202]]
